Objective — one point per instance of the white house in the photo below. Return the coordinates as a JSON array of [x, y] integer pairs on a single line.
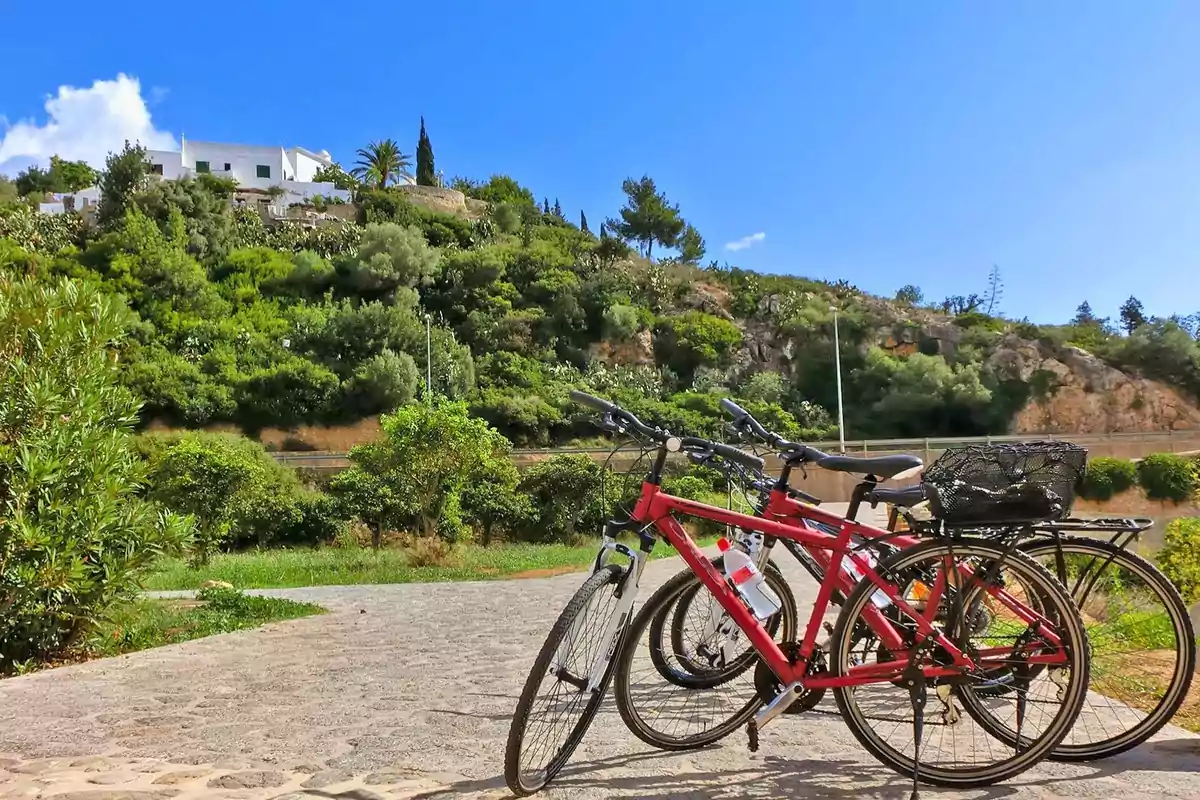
[[79, 201], [253, 167]]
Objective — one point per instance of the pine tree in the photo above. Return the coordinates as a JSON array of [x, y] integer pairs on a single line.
[[1084, 315], [583, 222], [558, 209], [1133, 315], [545, 205], [426, 176]]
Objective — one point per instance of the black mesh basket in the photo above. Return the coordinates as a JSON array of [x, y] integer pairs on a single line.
[[1005, 483]]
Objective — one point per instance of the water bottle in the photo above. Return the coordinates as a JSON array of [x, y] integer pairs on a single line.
[[749, 582], [879, 598]]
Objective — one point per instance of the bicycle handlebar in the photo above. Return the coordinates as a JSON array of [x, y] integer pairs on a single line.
[[690, 443], [793, 451]]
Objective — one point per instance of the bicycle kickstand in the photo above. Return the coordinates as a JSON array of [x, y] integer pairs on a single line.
[[914, 678]]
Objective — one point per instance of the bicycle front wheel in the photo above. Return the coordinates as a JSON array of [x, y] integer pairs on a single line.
[[959, 749], [556, 708]]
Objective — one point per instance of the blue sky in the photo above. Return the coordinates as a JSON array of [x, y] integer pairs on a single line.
[[883, 143]]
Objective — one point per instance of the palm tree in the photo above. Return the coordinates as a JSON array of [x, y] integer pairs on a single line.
[[380, 163]]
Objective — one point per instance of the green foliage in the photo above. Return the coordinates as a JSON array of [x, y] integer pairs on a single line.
[[389, 258], [910, 295], [62, 177], [492, 502], [572, 495], [426, 176], [391, 205], [691, 245], [337, 176], [621, 322], [203, 205], [648, 217], [125, 174], [764, 387], [920, 395], [44, 234], [498, 189], [1179, 558], [1133, 315], [425, 457], [1106, 477], [74, 536], [383, 382], [9, 194], [1165, 351], [1167, 476], [694, 339], [235, 491], [380, 164]]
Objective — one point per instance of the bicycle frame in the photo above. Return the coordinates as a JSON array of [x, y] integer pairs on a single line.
[[658, 508]]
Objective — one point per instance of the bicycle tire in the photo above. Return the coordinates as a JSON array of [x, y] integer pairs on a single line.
[[1034, 750], [654, 612], [702, 676], [1185, 638], [513, 775]]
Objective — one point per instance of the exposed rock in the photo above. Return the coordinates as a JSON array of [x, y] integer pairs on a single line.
[[702, 298], [1073, 391], [257, 779], [638, 350]]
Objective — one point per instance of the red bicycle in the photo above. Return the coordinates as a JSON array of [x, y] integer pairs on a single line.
[[903, 626]]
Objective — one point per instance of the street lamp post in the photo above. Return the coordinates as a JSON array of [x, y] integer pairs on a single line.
[[428, 360], [837, 360]]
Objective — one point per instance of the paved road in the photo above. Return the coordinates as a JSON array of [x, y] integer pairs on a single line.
[[406, 692]]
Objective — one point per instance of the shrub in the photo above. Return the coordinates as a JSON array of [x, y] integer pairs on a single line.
[[74, 536], [383, 382], [1166, 476], [1179, 558], [425, 551], [418, 468], [570, 493], [238, 494], [1108, 476]]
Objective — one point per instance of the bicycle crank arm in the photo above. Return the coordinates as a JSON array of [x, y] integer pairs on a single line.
[[790, 694]]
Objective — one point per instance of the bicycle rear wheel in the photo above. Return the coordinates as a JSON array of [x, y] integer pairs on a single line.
[[556, 708], [1143, 647], [1047, 700], [661, 701]]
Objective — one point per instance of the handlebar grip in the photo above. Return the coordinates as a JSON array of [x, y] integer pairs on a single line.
[[733, 408], [730, 453], [596, 403]]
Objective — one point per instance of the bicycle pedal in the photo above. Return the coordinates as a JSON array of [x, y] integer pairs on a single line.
[[752, 735]]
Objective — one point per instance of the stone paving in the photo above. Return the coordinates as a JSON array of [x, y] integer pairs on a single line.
[[406, 692]]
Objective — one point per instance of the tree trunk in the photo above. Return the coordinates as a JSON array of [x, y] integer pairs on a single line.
[[487, 533], [376, 536]]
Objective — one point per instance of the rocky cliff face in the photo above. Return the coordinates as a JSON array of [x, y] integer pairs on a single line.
[[1073, 391]]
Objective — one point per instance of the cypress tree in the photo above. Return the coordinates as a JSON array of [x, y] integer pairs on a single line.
[[583, 222], [425, 172]]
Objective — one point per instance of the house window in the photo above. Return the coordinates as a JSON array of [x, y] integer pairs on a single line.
[[228, 167], [156, 169], [263, 171], [203, 167]]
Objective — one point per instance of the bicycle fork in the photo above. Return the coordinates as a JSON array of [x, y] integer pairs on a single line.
[[627, 590]]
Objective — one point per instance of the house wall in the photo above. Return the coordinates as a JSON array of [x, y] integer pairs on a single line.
[[243, 162], [171, 161], [304, 166]]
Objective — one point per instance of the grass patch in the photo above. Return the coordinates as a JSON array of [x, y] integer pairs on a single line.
[[146, 623], [265, 569]]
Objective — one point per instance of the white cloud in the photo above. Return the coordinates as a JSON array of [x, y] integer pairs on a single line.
[[84, 124], [746, 241]]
